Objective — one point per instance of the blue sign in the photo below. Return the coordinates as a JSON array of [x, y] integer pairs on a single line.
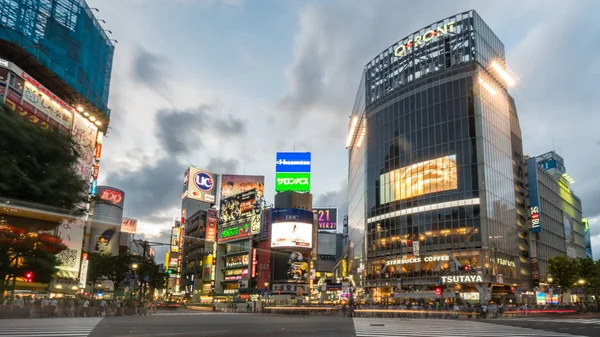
[[203, 181], [534, 196], [291, 214], [93, 187], [296, 162]]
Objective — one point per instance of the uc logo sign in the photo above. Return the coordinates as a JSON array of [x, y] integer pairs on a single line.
[[203, 181]]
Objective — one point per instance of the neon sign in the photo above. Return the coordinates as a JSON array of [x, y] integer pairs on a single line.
[[112, 196], [535, 218], [401, 49]]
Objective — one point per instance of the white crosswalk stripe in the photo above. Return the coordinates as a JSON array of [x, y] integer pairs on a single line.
[[382, 327], [48, 327], [192, 313], [558, 320]]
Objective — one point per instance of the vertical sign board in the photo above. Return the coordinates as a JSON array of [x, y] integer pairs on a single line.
[[587, 238], [292, 171], [212, 217], [326, 218], [199, 185], [534, 196]]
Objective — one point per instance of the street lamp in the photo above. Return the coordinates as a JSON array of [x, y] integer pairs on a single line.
[[581, 281], [550, 279]]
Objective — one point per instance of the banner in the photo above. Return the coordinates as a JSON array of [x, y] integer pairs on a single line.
[[84, 135], [71, 233], [327, 218], [211, 224], [235, 184], [129, 226], [49, 107]]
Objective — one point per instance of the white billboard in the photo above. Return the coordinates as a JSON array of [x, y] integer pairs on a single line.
[[129, 225], [291, 235], [199, 185]]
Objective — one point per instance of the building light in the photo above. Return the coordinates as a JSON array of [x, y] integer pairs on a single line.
[[487, 86], [85, 113], [503, 74], [79, 108], [92, 118], [98, 123], [352, 131], [363, 131]]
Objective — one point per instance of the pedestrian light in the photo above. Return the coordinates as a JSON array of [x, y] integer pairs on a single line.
[[170, 271], [438, 291], [28, 276]]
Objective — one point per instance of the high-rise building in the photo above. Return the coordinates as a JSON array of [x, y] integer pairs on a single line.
[[435, 194], [557, 225]]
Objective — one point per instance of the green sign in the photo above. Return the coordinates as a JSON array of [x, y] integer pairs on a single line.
[[235, 232], [298, 182]]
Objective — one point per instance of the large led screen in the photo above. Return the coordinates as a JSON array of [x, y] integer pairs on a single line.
[[291, 235], [430, 176]]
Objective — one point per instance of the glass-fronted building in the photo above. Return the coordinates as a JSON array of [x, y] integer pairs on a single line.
[[63, 46], [433, 196], [559, 228]]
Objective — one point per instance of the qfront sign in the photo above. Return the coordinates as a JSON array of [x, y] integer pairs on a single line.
[[297, 182], [462, 279], [402, 49], [535, 218]]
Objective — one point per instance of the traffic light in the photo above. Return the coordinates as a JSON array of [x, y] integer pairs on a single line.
[[439, 291], [465, 268], [170, 271], [28, 276]]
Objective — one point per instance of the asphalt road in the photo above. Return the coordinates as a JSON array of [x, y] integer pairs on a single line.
[[183, 324], [579, 327]]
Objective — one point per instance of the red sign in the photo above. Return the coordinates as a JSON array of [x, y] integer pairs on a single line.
[[95, 171], [112, 196], [98, 151], [211, 225], [263, 265], [84, 257], [254, 262]]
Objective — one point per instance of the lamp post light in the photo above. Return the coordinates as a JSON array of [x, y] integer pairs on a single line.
[[581, 281]]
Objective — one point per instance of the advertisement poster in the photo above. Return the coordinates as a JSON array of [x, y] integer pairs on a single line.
[[569, 237], [48, 106], [298, 267], [235, 184], [175, 237], [211, 224], [292, 171], [327, 218], [235, 232], [71, 233], [84, 136], [430, 176], [587, 238], [129, 226], [241, 207], [291, 235], [201, 185]]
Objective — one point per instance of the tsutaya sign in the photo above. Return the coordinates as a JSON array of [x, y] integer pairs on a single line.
[[418, 260], [401, 49], [462, 279]]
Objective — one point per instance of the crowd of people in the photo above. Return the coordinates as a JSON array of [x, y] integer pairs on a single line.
[[79, 306]]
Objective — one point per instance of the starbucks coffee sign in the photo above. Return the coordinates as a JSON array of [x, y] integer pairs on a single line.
[[462, 279]]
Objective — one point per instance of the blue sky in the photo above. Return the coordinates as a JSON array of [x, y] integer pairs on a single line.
[[224, 84]]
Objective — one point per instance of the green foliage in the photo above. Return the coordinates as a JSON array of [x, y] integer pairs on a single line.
[[38, 165], [22, 252], [564, 271]]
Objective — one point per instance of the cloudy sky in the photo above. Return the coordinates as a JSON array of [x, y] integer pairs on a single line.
[[224, 84]]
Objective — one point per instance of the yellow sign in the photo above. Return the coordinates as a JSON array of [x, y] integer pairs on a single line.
[[401, 49]]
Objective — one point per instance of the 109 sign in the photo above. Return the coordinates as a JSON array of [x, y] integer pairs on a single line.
[[203, 181]]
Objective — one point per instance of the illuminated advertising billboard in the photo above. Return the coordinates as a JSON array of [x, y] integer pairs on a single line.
[[297, 182], [199, 185], [291, 228], [235, 184], [569, 235], [534, 196], [212, 217], [430, 176], [326, 217], [587, 238], [234, 232], [242, 207], [175, 238], [297, 267], [110, 196], [292, 171], [129, 226]]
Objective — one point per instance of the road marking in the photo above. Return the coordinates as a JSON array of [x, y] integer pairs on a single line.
[[44, 327]]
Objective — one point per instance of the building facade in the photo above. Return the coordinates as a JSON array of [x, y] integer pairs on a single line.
[[557, 224], [432, 198], [62, 44]]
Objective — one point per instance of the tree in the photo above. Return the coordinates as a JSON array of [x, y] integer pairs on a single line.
[[589, 273], [564, 271], [38, 165], [22, 252], [107, 267]]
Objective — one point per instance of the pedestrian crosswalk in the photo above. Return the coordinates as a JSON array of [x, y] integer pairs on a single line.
[[188, 313], [45, 327], [382, 327], [557, 320]]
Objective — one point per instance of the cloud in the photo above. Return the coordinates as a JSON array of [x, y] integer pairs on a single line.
[[338, 199], [155, 187], [149, 69]]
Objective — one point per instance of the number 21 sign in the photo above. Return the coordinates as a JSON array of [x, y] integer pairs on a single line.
[[327, 218]]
